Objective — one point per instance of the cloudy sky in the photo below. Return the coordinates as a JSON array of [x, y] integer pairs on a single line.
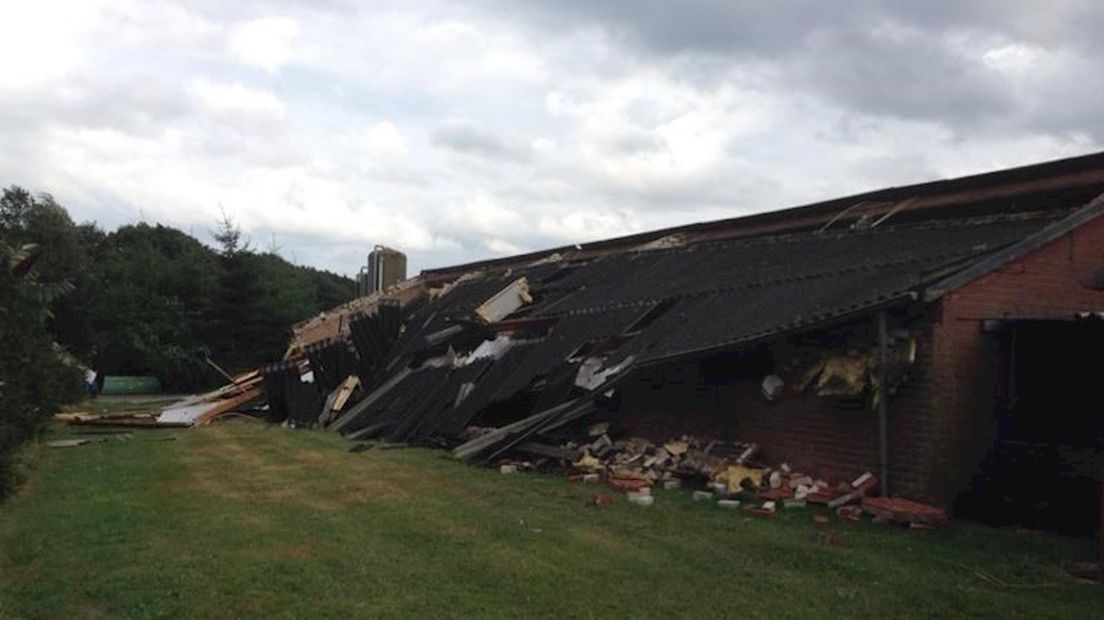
[[464, 130]]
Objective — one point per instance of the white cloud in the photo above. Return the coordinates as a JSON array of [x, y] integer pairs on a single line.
[[266, 43], [238, 99], [40, 42], [483, 215], [581, 225], [502, 247], [457, 132], [1013, 57], [385, 138]]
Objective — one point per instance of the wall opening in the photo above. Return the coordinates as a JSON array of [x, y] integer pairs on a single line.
[[1045, 466]]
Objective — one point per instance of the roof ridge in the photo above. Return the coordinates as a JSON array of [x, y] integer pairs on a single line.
[[848, 232]]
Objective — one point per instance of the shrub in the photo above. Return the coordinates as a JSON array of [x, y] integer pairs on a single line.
[[35, 377]]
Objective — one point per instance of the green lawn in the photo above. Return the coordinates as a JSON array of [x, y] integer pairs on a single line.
[[244, 520]]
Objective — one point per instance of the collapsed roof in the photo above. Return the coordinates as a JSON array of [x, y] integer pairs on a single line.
[[528, 343]]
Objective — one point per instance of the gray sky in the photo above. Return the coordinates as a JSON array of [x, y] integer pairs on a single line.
[[464, 130]]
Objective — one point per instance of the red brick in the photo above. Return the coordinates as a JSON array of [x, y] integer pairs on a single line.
[[935, 443]]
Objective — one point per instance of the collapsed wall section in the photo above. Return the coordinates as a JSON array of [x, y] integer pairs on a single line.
[[837, 437]]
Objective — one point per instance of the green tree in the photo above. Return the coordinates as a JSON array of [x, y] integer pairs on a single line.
[[36, 375], [153, 300], [238, 321], [146, 303]]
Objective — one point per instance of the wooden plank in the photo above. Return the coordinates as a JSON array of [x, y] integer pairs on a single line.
[[230, 388], [506, 301], [328, 406], [127, 421], [228, 404], [352, 382]]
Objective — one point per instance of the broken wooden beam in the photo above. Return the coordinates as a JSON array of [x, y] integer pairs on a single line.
[[228, 404]]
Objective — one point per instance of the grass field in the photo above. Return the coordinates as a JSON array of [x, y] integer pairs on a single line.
[[243, 520]]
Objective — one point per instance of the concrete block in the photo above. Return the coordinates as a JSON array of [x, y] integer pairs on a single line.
[[800, 481], [728, 503], [508, 469], [858, 482], [702, 496], [846, 498], [641, 500]]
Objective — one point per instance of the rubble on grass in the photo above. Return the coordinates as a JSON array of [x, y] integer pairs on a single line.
[[730, 480], [724, 473], [83, 441], [243, 391], [520, 368], [902, 510], [635, 458]]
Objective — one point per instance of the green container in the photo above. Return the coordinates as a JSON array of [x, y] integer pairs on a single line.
[[120, 384]]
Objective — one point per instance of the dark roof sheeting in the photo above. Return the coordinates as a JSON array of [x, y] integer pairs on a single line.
[[725, 286], [731, 292], [1083, 216], [648, 277]]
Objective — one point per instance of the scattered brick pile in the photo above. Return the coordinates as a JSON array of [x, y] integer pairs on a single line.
[[901, 510], [725, 475], [637, 462]]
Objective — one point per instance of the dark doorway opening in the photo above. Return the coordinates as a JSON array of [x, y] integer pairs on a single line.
[[1045, 467]]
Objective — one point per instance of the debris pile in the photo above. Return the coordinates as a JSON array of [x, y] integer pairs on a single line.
[[724, 472], [132, 420], [242, 391], [85, 440], [636, 458], [242, 394], [900, 510], [510, 367]]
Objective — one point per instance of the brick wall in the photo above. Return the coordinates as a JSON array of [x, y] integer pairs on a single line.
[[942, 422], [966, 362], [819, 436]]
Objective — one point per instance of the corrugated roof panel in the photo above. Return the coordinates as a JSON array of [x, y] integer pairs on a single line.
[[627, 279]]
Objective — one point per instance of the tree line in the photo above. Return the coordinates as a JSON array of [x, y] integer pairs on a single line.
[[142, 299]]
